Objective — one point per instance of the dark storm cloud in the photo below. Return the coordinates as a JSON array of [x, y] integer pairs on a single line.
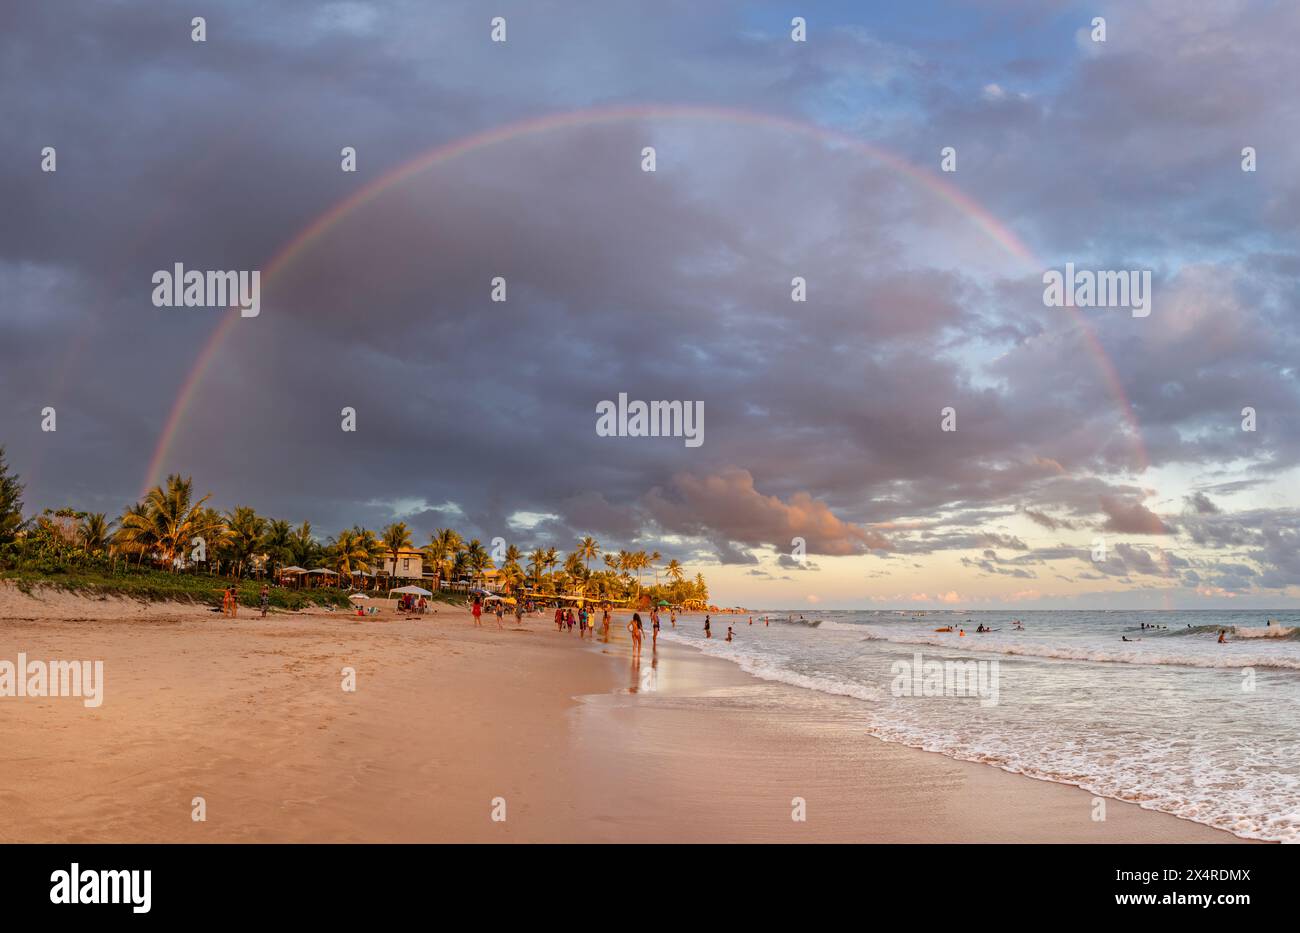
[[821, 418]]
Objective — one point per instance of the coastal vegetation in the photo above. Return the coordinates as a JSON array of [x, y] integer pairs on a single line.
[[173, 544]]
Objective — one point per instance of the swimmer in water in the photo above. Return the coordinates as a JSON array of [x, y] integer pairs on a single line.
[[1223, 636], [728, 633]]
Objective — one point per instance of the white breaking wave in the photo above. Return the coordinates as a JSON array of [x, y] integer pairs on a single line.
[[771, 669], [1143, 652], [1191, 743]]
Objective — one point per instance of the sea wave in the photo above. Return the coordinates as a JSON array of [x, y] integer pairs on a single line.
[[1217, 797], [1148, 654], [773, 669]]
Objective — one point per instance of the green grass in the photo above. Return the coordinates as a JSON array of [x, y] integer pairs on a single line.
[[157, 586]]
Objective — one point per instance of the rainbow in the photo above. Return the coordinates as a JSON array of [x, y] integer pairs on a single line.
[[440, 155]]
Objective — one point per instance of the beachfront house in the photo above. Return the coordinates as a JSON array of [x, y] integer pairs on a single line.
[[410, 565]]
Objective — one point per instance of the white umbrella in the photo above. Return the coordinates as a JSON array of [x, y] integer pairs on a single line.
[[358, 596], [413, 590]]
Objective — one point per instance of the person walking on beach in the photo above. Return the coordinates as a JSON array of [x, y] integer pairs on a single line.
[[266, 599], [654, 631], [225, 602], [728, 633], [672, 617], [477, 610], [635, 628], [559, 618], [500, 612], [707, 632], [234, 602], [604, 623], [582, 623]]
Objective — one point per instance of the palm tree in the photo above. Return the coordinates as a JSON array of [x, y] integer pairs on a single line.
[[173, 514], [303, 547], [246, 531], [351, 551], [511, 572], [537, 563], [477, 557], [278, 542], [588, 547], [135, 532], [443, 545], [459, 567], [512, 576], [210, 526], [552, 559], [396, 538], [93, 532], [675, 571]]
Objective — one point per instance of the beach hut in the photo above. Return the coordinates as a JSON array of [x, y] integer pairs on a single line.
[[320, 576], [368, 581]]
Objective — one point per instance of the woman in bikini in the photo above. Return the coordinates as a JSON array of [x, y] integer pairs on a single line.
[[635, 628]]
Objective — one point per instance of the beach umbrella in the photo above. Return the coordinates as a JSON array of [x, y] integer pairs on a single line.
[[508, 601], [663, 602], [412, 590], [358, 596]]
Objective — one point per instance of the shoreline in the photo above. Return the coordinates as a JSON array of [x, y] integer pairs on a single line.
[[450, 724]]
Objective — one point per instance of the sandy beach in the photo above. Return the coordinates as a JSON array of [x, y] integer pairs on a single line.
[[447, 720]]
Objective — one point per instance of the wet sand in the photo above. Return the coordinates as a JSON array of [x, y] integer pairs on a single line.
[[451, 725]]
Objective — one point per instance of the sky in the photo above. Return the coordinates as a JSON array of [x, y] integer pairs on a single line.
[[1098, 458]]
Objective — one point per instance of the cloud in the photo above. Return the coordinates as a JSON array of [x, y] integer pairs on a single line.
[[728, 503], [1131, 518], [822, 417]]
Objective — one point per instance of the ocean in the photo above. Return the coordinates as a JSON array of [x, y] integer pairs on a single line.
[[1170, 720]]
